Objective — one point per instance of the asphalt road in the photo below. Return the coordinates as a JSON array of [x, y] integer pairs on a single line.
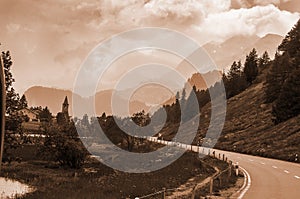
[[266, 178], [269, 178]]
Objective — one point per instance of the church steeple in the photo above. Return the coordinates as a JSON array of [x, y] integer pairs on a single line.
[[65, 108]]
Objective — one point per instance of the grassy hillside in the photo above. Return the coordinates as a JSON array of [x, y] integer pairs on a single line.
[[249, 127]]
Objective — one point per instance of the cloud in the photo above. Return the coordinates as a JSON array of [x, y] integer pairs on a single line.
[[258, 20], [50, 39], [266, 2]]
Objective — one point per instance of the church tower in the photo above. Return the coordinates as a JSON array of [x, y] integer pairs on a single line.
[[65, 109]]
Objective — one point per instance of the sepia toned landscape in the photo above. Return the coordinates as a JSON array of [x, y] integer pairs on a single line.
[[150, 99]]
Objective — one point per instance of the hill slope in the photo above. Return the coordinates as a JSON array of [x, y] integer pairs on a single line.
[[249, 127]]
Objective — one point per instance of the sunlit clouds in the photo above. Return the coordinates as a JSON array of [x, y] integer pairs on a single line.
[[49, 40]]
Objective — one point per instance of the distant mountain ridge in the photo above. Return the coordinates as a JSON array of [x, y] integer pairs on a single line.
[[53, 99], [236, 48]]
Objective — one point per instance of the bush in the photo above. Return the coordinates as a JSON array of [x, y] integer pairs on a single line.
[[63, 145]]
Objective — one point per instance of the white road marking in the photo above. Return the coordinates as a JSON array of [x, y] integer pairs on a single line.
[[245, 189], [274, 167], [251, 160], [297, 177], [286, 171], [262, 163]]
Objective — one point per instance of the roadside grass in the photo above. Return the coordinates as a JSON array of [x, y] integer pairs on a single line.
[[249, 128], [96, 180]]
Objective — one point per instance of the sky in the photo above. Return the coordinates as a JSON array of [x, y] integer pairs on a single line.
[[49, 40]]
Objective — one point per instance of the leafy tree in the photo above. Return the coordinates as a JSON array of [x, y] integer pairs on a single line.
[[140, 119], [13, 130], [45, 115], [251, 66], [63, 145], [61, 119], [12, 98]]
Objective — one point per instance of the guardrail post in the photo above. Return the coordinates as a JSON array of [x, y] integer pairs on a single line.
[[236, 169], [164, 193], [191, 147], [193, 192], [223, 157], [211, 186]]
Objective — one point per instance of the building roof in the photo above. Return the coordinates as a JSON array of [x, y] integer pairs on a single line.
[[66, 101]]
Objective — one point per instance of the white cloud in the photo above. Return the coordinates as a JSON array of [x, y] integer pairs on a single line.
[[61, 33], [266, 2], [259, 20]]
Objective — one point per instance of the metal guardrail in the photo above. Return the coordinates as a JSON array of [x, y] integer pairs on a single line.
[[216, 179], [161, 193]]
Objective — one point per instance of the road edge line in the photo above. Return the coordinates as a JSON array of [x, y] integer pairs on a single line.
[[246, 185]]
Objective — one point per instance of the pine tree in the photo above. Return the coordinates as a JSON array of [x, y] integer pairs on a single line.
[[278, 73], [235, 82], [288, 103], [283, 81], [191, 108], [251, 66], [291, 43], [264, 61], [23, 102]]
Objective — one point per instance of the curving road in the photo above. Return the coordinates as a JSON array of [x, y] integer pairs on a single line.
[[270, 178], [267, 178]]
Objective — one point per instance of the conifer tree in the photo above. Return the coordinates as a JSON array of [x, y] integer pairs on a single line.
[[251, 66]]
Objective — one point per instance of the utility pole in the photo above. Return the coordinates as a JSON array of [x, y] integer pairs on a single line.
[[2, 109]]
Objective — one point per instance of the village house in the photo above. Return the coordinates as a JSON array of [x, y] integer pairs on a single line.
[[33, 116]]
